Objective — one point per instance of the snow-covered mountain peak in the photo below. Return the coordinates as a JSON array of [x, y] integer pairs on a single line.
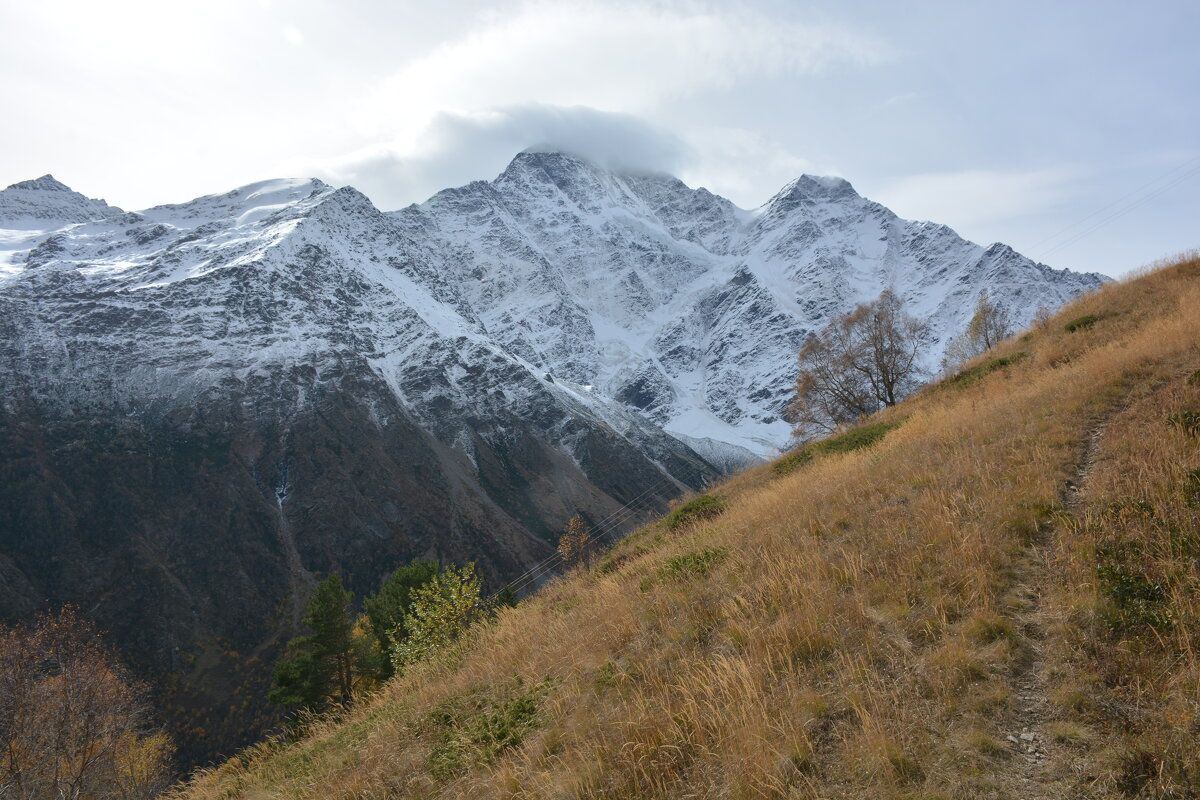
[[827, 185], [810, 190], [679, 303], [46, 203], [46, 183]]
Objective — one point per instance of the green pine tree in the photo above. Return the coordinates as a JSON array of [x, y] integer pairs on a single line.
[[387, 609], [317, 668]]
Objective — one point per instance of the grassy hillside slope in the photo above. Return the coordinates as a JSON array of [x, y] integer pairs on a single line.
[[1017, 557]]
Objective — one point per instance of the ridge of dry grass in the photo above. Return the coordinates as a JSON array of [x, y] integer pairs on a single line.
[[859, 633]]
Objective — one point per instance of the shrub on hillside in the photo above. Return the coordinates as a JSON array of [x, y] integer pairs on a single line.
[[694, 564], [1186, 421], [856, 438], [441, 611], [1191, 487], [1081, 323], [698, 509], [975, 373], [792, 461], [1135, 597], [851, 440], [473, 730]]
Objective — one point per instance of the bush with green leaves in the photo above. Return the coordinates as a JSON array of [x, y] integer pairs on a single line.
[[441, 611], [1081, 323], [1186, 421], [1191, 487], [695, 564], [1134, 596], [474, 729], [851, 440], [387, 609], [975, 373], [698, 509]]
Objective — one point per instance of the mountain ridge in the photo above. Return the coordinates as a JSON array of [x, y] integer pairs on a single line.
[[678, 302], [207, 405]]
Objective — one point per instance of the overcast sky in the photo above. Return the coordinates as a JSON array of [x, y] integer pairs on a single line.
[[1068, 130]]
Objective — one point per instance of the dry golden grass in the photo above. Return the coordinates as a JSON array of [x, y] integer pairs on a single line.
[[865, 630]]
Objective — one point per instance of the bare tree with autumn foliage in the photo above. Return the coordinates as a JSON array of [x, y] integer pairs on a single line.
[[990, 324], [573, 544], [73, 724], [859, 363]]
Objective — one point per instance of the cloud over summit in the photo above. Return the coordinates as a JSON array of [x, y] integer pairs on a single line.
[[456, 148]]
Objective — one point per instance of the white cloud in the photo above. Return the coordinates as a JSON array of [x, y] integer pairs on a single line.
[[293, 36], [614, 56], [456, 148], [582, 76], [743, 166]]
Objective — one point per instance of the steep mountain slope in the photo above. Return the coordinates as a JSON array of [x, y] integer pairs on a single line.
[[676, 302], [994, 600], [206, 406]]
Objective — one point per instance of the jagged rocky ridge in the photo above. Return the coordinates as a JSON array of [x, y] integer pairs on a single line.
[[204, 407], [678, 303]]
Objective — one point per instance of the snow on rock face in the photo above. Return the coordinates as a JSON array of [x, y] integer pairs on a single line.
[[31, 210], [46, 204], [667, 299], [678, 303], [228, 292]]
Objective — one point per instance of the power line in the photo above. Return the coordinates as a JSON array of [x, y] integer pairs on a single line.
[[1120, 212], [602, 530], [1189, 167], [605, 528]]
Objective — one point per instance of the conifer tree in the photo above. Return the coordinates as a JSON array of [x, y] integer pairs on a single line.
[[318, 668], [505, 598]]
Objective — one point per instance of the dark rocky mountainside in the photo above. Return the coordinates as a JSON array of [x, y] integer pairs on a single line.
[[206, 407]]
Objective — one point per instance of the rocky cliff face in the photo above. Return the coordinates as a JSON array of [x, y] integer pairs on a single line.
[[206, 407], [676, 302]]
